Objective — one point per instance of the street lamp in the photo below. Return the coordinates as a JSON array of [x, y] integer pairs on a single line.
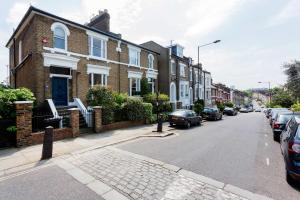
[[199, 76], [269, 83]]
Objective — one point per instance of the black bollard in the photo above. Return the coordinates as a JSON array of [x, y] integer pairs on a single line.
[[48, 143], [159, 123]]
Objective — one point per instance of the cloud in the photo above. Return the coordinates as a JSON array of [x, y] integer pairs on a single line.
[[206, 16], [123, 13], [289, 11], [17, 11]]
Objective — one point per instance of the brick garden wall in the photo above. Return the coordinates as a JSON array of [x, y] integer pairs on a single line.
[[58, 134]]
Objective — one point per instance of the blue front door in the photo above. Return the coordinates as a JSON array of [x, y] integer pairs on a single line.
[[60, 91]]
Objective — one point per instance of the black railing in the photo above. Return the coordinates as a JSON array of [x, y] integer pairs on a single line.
[[40, 122]]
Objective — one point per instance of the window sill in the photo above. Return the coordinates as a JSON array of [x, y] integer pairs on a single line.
[[97, 58], [131, 65]]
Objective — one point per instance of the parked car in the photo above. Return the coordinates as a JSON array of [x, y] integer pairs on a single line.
[[185, 118], [250, 109], [274, 112], [257, 110], [290, 149], [280, 122], [230, 111], [212, 114], [268, 111], [244, 110]]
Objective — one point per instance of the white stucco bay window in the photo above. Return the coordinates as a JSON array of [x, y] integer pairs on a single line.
[[134, 55], [98, 75], [97, 45], [134, 79]]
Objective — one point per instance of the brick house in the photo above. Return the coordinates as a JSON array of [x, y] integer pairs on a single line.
[[174, 76], [220, 93], [60, 59]]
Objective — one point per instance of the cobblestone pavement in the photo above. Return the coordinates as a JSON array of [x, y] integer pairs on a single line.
[[138, 178]]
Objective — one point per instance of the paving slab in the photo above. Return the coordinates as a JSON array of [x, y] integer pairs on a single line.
[[49, 183]]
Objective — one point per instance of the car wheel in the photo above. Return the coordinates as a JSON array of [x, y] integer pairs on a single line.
[[171, 124], [289, 179], [188, 125], [275, 137]]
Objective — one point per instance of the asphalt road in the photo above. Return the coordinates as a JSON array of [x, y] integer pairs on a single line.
[[237, 150]]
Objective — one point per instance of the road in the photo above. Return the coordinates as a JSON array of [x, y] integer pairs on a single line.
[[237, 150]]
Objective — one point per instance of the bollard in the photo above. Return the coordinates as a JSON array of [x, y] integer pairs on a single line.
[[48, 143], [159, 123]]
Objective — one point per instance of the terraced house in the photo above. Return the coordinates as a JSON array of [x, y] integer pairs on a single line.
[[60, 59], [174, 73]]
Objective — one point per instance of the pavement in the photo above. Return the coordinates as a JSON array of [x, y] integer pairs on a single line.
[[12, 158]]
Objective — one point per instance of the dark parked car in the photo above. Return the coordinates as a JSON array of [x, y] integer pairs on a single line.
[[212, 114], [230, 111], [185, 118], [280, 122], [274, 112], [290, 149]]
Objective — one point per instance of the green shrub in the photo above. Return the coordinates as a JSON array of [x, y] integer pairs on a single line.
[[134, 109], [147, 111], [9, 96], [229, 104], [120, 98], [144, 86], [199, 106], [102, 96], [151, 98], [220, 106], [296, 107]]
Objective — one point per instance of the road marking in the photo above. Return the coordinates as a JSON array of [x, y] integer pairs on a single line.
[[268, 161], [266, 135], [266, 144]]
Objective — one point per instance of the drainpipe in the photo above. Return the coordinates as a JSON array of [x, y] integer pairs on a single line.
[[118, 49], [15, 64]]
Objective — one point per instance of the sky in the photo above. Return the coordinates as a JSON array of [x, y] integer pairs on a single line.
[[257, 36]]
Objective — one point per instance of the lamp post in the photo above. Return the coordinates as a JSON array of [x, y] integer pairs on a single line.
[[269, 84], [199, 46]]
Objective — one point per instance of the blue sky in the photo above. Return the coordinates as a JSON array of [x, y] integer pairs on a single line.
[[258, 36]]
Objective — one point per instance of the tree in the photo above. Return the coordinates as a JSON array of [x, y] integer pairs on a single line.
[[198, 106], [281, 98], [144, 86], [292, 70]]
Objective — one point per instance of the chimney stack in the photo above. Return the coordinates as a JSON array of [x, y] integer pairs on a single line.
[[101, 21]]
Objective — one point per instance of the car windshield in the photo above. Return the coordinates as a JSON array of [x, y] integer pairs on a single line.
[[284, 118], [207, 110], [179, 113]]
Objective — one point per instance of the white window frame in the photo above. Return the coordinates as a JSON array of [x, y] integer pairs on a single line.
[[173, 72], [103, 39], [20, 51], [150, 61], [152, 84], [137, 76], [132, 50], [101, 70], [182, 69], [104, 78], [65, 29], [172, 94]]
